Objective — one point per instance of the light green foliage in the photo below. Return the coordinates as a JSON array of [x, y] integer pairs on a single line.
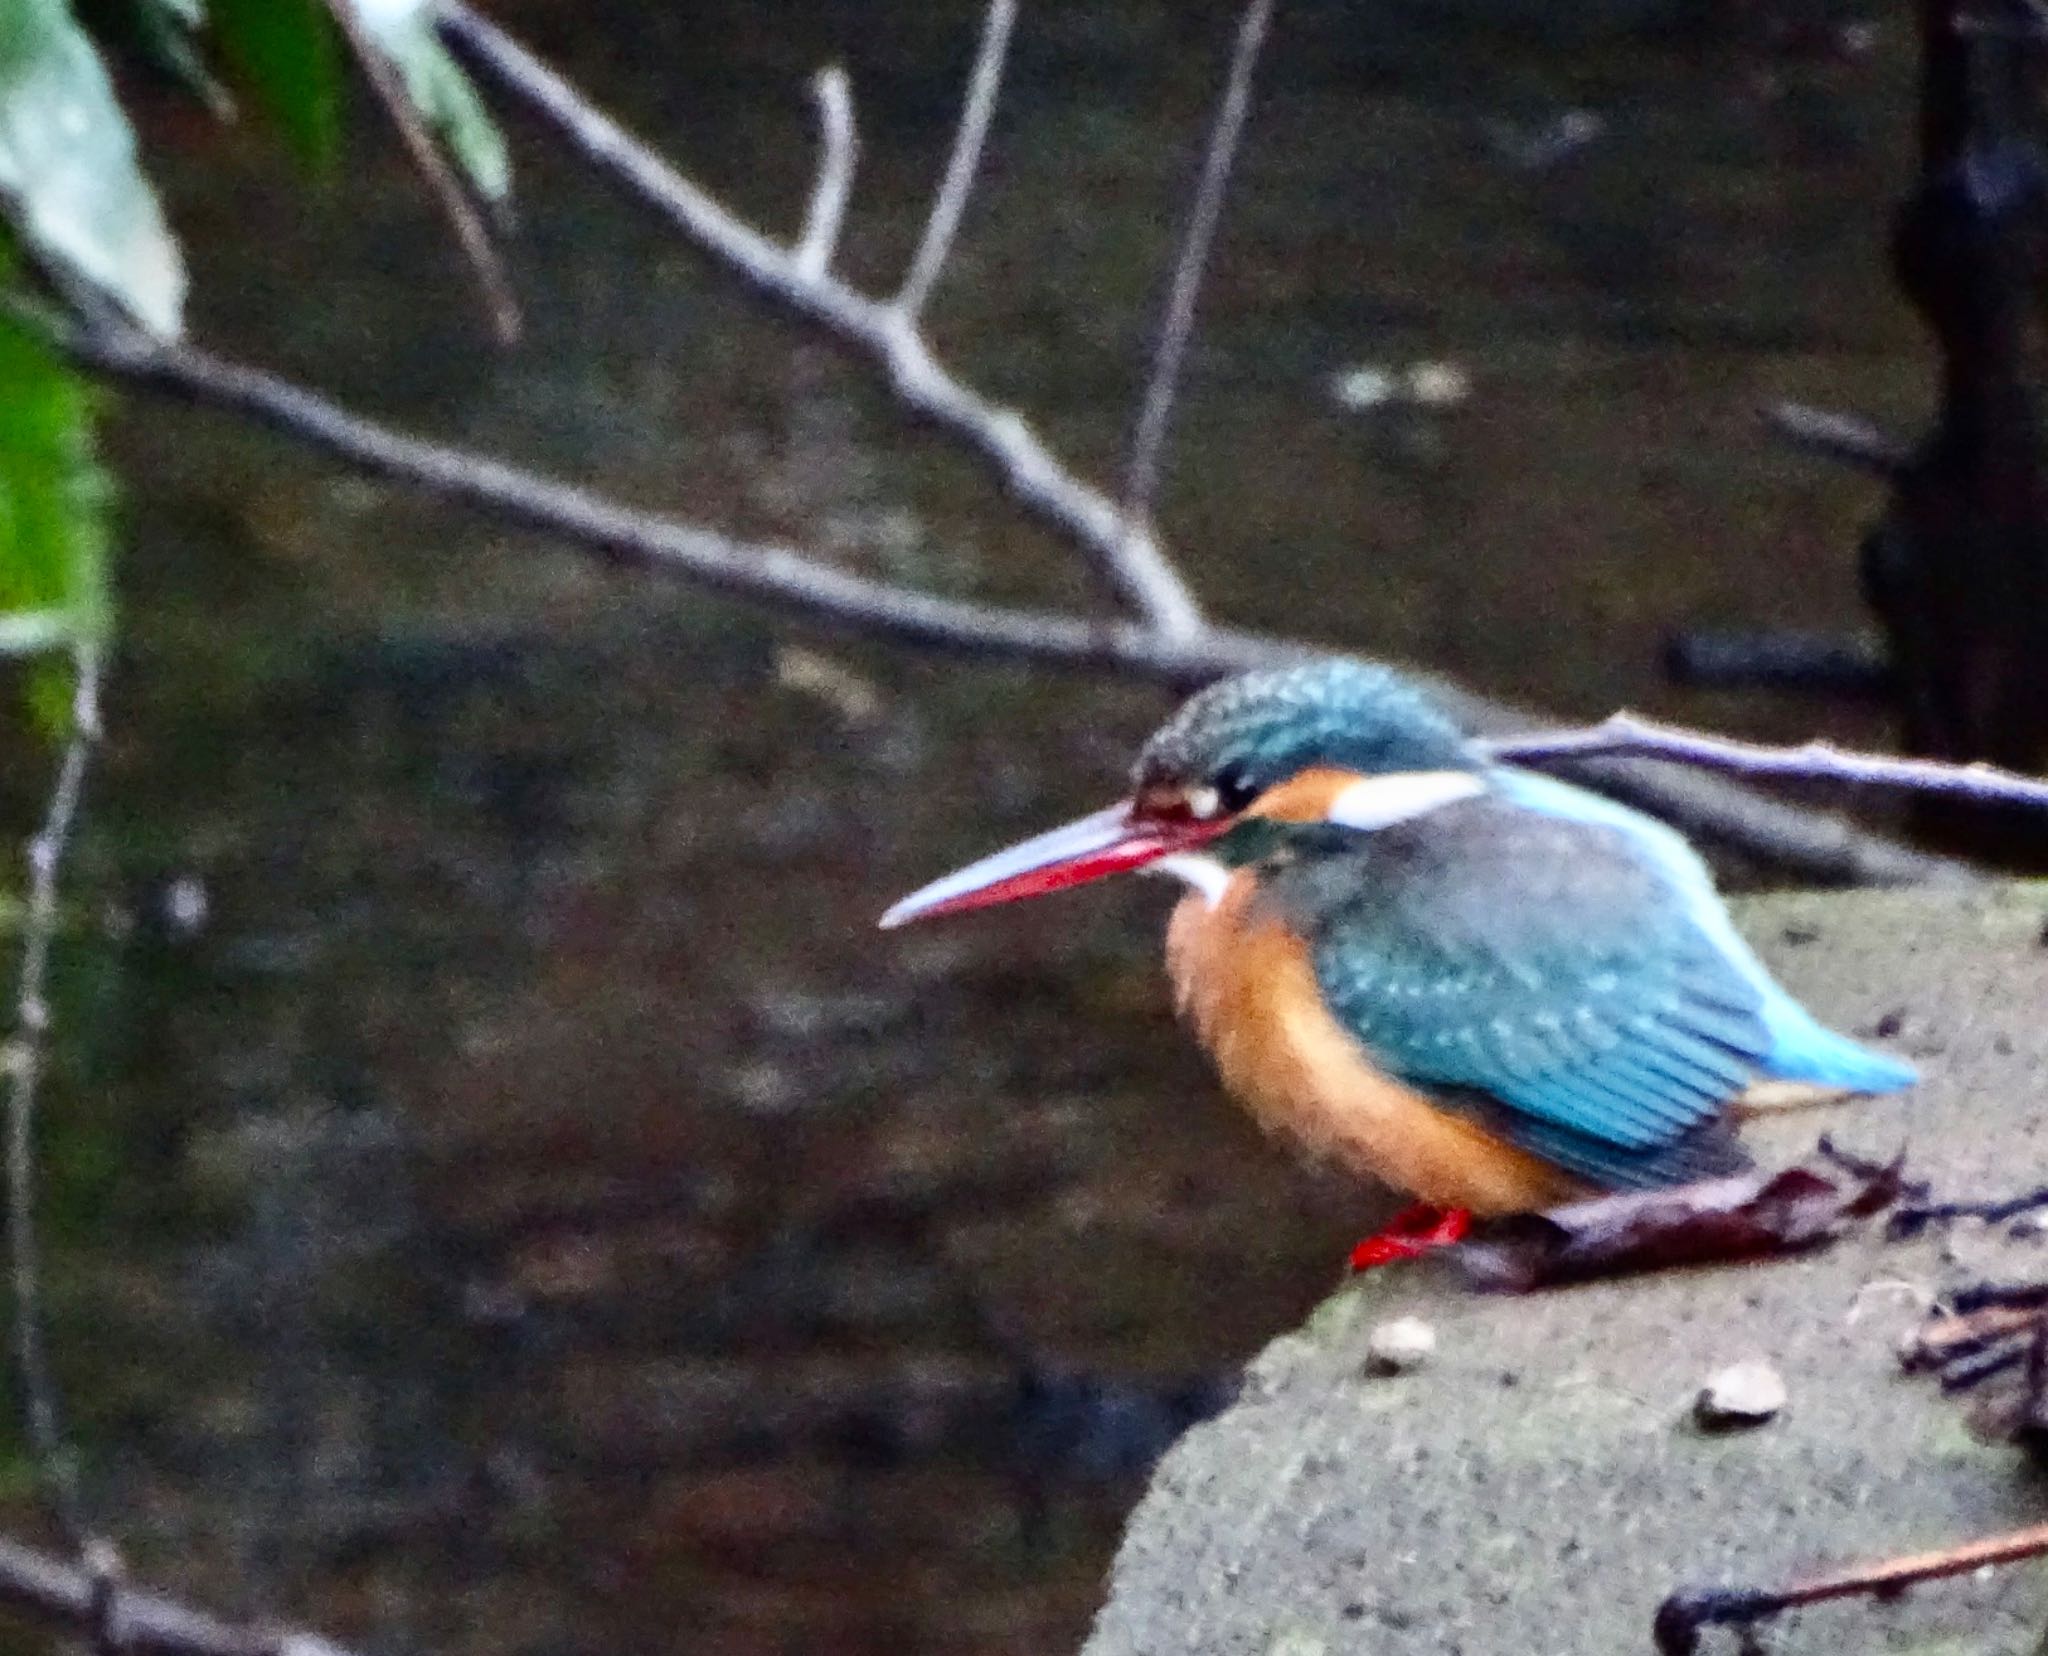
[[53, 502], [68, 170]]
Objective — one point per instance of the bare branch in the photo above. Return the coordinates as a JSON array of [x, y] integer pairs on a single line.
[[1819, 846], [1148, 443], [478, 250], [1843, 438], [1625, 735], [138, 1623], [25, 1064], [1134, 567], [781, 578], [968, 138], [837, 150]]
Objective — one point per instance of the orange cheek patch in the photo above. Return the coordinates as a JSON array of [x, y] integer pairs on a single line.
[[1305, 797]]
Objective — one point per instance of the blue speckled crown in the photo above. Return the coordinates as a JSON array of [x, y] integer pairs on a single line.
[[1352, 715]]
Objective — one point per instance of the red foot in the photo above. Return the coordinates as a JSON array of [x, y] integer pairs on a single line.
[[1410, 1233]]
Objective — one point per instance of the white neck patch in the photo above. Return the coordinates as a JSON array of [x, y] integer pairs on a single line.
[[1204, 874], [1381, 801]]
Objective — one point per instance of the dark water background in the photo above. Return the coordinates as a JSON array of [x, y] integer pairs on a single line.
[[535, 1212]]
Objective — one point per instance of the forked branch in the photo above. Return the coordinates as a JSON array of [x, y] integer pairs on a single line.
[[1134, 568]]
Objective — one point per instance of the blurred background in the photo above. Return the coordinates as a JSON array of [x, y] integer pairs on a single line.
[[503, 1195]]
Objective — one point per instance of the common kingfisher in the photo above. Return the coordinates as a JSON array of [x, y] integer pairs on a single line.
[[1482, 986]]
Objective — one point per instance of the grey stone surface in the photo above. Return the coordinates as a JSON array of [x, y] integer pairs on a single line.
[[1540, 1485]]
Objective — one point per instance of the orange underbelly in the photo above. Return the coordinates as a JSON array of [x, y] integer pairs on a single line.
[[1248, 986]]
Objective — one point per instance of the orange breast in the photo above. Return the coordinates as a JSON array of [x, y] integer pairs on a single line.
[[1248, 986]]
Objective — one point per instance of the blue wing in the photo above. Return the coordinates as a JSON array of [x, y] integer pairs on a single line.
[[1801, 1048], [1549, 960]]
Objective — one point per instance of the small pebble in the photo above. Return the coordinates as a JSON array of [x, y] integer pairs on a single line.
[[1362, 387], [1401, 1345], [1438, 384], [1743, 1394]]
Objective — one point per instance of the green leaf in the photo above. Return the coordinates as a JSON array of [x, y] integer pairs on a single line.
[[68, 172], [441, 92], [284, 53], [54, 589]]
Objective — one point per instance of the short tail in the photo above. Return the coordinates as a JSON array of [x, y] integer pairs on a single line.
[[1803, 1050]]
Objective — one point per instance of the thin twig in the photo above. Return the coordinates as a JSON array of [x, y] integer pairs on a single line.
[[1913, 1218], [838, 148], [1135, 569], [1681, 1616], [66, 1596], [89, 1597], [25, 1063], [478, 250], [1626, 734], [1949, 1337], [1977, 1295], [1970, 1371], [2033, 1417], [1148, 441], [951, 201], [1845, 439]]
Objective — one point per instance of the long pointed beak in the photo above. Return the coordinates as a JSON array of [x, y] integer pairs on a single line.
[[1106, 843]]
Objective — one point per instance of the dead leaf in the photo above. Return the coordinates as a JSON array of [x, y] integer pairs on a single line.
[[1751, 1216]]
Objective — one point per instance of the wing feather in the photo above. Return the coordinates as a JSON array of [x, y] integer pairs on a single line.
[[1544, 963]]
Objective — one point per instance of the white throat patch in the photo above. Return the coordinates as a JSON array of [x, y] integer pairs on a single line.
[[1204, 874], [1382, 801]]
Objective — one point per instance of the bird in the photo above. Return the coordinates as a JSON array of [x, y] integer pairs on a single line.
[[1482, 986]]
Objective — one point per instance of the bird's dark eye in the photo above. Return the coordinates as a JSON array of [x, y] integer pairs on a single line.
[[1235, 788]]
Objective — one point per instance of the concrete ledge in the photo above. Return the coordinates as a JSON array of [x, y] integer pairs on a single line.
[[1539, 1486]]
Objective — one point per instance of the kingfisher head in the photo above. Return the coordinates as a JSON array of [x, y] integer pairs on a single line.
[[1345, 745]]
